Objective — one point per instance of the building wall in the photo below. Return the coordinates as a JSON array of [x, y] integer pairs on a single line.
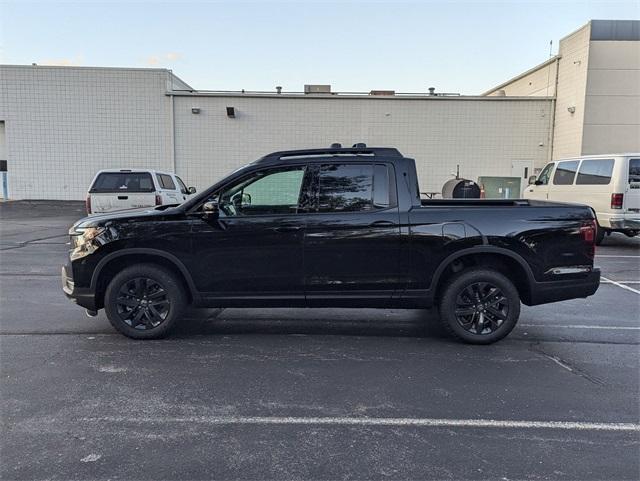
[[539, 81], [612, 107], [483, 135], [65, 123], [572, 83]]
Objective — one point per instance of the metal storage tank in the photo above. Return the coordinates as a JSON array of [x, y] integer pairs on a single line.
[[460, 189]]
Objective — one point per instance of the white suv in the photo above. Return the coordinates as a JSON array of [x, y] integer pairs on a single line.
[[134, 188]]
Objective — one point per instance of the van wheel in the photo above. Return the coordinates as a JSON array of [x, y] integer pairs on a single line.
[[144, 301], [600, 232], [479, 306]]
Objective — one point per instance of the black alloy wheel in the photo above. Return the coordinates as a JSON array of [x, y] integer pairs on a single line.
[[143, 303], [479, 305], [481, 308]]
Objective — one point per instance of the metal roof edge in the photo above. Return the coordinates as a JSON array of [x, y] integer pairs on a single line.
[[523, 74]]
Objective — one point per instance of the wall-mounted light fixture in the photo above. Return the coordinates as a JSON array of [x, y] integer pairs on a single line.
[[195, 110], [572, 110], [231, 112]]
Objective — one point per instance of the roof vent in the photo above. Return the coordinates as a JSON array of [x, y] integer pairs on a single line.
[[359, 145], [317, 89], [382, 92], [432, 91], [336, 146]]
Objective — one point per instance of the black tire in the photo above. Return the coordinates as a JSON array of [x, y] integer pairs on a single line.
[[144, 301], [600, 232], [481, 300]]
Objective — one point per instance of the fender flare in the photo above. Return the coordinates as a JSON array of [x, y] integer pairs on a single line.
[[147, 251], [483, 249]]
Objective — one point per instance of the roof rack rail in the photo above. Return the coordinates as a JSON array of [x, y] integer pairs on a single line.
[[368, 151]]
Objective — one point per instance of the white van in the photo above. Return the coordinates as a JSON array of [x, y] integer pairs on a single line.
[[609, 184], [134, 188]]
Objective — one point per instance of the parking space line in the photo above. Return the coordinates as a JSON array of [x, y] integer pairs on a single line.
[[579, 326], [621, 282], [369, 421], [609, 281]]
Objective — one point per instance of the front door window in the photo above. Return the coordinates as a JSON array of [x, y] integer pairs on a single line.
[[267, 192]]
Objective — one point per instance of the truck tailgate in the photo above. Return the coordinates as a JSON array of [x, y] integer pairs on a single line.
[[108, 202]]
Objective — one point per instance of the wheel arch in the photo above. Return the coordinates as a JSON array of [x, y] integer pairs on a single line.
[[116, 261], [508, 263]]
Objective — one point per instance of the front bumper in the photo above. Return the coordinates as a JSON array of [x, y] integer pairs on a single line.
[[562, 290], [84, 297]]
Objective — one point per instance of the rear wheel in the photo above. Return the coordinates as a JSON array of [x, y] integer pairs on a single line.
[[144, 301], [479, 306]]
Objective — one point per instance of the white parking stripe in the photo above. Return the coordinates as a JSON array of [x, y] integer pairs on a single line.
[[620, 282], [620, 285], [365, 421], [579, 326]]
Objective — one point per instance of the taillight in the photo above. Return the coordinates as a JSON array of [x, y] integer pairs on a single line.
[[588, 232], [616, 201], [158, 199], [87, 203]]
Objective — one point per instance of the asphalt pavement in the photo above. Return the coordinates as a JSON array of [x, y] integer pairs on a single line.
[[310, 394]]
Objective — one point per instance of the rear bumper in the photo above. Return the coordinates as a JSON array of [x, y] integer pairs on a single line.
[[562, 290], [84, 297], [619, 221]]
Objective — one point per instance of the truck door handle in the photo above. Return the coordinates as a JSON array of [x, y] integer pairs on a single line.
[[382, 223], [123, 197], [287, 228]]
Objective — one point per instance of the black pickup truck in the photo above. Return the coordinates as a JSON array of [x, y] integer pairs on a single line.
[[338, 227]]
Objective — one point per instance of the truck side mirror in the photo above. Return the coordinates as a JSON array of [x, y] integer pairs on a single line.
[[532, 179], [191, 190]]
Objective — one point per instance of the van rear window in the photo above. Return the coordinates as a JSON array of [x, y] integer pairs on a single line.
[[595, 172], [123, 182]]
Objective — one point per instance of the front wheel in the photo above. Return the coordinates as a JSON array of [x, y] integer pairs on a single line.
[[144, 301], [479, 306]]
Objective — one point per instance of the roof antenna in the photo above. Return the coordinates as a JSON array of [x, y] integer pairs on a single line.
[[550, 48]]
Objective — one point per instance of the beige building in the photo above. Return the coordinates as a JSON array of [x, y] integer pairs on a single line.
[[595, 79], [63, 124], [60, 125]]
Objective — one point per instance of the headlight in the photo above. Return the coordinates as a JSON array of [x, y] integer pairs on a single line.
[[82, 241]]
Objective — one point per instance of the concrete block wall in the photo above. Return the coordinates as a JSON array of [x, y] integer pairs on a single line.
[[62, 124], [483, 135]]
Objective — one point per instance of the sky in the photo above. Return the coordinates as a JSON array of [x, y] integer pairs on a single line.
[[455, 46]]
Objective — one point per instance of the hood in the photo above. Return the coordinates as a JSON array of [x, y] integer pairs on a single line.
[[124, 215]]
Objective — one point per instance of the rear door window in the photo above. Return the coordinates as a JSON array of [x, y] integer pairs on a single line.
[[634, 171], [166, 182], [565, 172], [123, 182], [595, 172], [345, 187]]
